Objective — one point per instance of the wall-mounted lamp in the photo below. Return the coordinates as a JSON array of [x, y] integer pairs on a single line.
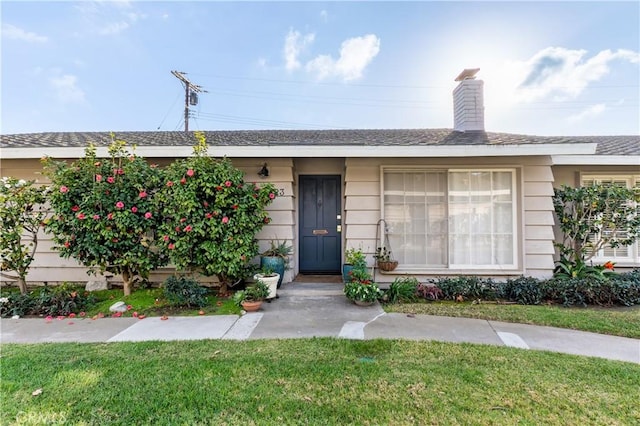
[[264, 172]]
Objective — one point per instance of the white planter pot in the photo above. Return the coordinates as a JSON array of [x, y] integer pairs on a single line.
[[271, 282]]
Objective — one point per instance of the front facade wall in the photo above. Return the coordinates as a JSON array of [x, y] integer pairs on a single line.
[[533, 248]]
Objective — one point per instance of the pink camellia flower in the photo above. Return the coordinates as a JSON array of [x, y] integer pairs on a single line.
[[119, 171], [96, 216], [183, 181], [183, 220], [190, 172], [134, 209], [169, 183], [110, 179], [72, 315], [171, 246], [82, 314], [205, 204], [117, 314], [129, 307], [81, 216], [49, 318], [272, 195], [235, 207], [134, 314], [75, 208], [188, 228], [165, 237], [67, 244], [177, 228], [120, 205], [64, 189], [60, 317], [225, 219], [98, 178], [142, 194], [227, 183], [110, 216], [147, 215], [208, 215]]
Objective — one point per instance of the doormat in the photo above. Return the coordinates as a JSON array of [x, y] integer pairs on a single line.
[[304, 278]]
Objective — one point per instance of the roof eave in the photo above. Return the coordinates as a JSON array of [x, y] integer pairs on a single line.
[[596, 160], [278, 151]]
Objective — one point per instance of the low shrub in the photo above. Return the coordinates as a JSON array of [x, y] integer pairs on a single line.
[[468, 288], [60, 300], [183, 291], [524, 290], [626, 287], [429, 291], [402, 290]]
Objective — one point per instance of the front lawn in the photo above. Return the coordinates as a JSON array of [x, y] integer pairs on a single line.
[[311, 381], [615, 321]]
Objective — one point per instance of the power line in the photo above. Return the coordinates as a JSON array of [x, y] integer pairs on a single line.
[[191, 91]]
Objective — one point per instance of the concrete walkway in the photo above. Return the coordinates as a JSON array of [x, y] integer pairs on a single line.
[[321, 310]]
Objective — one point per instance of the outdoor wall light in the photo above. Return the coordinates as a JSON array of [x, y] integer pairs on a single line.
[[264, 172]]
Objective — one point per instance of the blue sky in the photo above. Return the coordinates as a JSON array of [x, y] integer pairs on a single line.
[[552, 68]]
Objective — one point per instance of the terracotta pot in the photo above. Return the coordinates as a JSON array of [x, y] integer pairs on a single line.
[[251, 306], [363, 303], [387, 266]]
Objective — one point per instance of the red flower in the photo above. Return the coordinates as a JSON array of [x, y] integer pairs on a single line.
[[272, 195], [235, 207], [72, 315], [117, 314], [120, 205], [609, 265], [147, 215], [219, 188], [119, 171], [171, 246], [225, 219], [129, 307], [183, 220], [188, 228], [177, 229], [82, 314], [75, 208], [81, 216], [98, 178], [135, 315], [190, 172], [228, 183], [64, 189], [134, 209], [205, 204], [169, 183], [208, 215], [67, 244], [142, 194], [165, 237], [267, 220], [183, 181], [110, 216], [110, 179], [96, 216]]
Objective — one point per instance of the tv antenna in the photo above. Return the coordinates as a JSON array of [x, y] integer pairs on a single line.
[[191, 91]]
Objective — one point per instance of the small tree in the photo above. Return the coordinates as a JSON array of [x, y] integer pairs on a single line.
[[595, 216], [211, 216], [104, 212], [21, 215]]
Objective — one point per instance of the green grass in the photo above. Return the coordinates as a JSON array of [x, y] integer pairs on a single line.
[[311, 381], [615, 321]]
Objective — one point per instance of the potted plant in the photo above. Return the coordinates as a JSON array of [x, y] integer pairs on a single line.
[[251, 298], [360, 289], [384, 259], [270, 279], [353, 258], [276, 258]]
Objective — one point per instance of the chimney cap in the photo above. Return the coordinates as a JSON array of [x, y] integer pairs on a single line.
[[467, 74]]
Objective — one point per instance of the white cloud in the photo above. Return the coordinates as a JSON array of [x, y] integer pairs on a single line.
[[66, 87], [109, 17], [565, 73], [15, 33], [113, 28], [294, 44], [592, 111], [355, 55]]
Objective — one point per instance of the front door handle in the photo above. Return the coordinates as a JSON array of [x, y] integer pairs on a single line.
[[339, 228]]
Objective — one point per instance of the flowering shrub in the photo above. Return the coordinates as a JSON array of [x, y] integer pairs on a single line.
[[104, 215], [21, 215], [360, 286], [211, 215]]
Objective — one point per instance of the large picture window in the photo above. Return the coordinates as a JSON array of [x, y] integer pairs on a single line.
[[623, 254], [451, 218]]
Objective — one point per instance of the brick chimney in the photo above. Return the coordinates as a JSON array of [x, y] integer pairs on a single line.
[[468, 102]]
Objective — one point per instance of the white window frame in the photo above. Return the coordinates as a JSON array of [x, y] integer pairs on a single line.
[[515, 205], [632, 180]]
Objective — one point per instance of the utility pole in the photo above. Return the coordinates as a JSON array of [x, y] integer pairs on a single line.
[[190, 95]]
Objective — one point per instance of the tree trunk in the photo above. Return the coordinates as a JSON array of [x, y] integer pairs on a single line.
[[127, 277], [22, 285]]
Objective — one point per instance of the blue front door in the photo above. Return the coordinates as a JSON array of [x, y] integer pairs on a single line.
[[320, 212]]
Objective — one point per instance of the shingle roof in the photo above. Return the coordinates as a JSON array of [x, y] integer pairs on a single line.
[[607, 145]]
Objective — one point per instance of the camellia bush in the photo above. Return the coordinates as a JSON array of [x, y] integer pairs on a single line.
[[21, 215], [104, 213], [211, 216], [595, 216]]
